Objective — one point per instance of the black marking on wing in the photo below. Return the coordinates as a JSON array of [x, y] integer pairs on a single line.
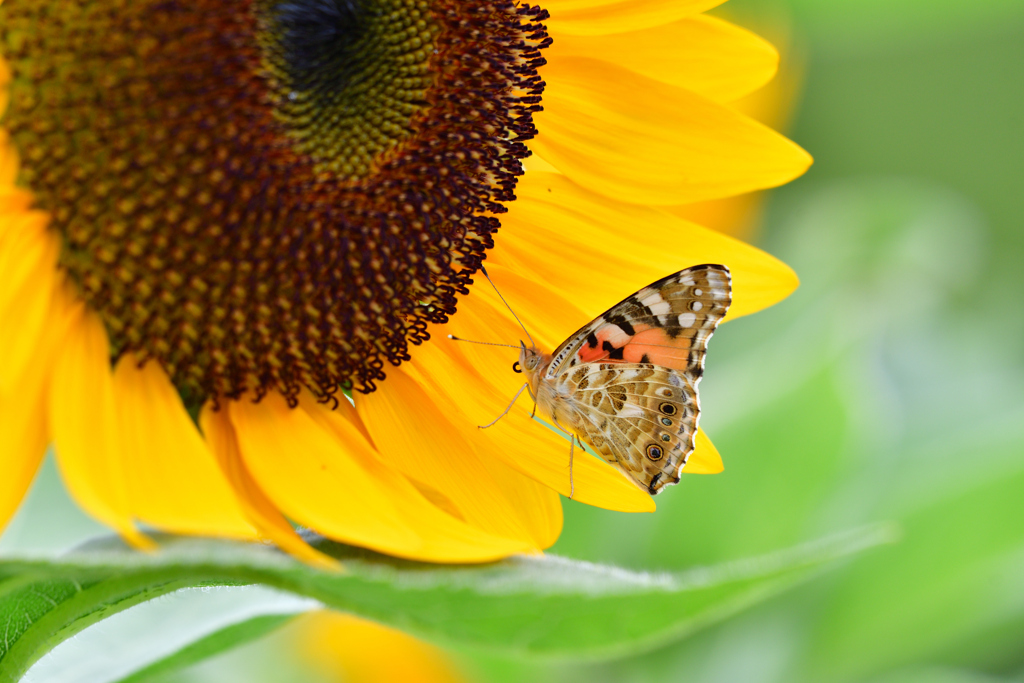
[[622, 324], [645, 358], [592, 340], [616, 354], [654, 481]]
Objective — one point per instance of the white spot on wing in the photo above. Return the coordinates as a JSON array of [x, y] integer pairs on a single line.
[[652, 298], [656, 303], [659, 307], [687, 319], [631, 410], [615, 335]]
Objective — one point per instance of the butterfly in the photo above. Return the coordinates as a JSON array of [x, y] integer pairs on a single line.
[[626, 383]]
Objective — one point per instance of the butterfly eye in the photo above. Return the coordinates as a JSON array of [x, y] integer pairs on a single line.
[[654, 452], [516, 368], [666, 437], [668, 409], [667, 422]]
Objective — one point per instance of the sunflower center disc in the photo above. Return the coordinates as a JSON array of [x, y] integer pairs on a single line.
[[271, 194]]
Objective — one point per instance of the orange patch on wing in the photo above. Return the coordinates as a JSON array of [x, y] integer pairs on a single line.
[[590, 355], [659, 348], [666, 358], [652, 342], [614, 335]]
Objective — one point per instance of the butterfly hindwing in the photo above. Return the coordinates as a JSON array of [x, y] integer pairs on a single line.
[[668, 324], [638, 416]]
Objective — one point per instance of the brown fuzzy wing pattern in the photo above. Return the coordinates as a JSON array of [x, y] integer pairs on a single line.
[[638, 416], [667, 323]]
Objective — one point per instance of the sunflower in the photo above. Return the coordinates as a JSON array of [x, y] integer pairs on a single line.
[[342, 647], [218, 220]]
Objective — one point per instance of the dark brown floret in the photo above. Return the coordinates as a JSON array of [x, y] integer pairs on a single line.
[[271, 194]]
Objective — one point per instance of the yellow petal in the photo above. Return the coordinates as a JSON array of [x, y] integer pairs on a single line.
[[5, 80], [173, 479], [705, 458], [704, 55], [84, 423], [8, 152], [310, 479], [480, 380], [638, 140], [601, 251], [24, 434], [587, 17], [445, 538], [531, 296], [23, 441], [736, 216], [342, 647], [415, 436], [220, 436], [28, 258], [539, 507], [14, 201]]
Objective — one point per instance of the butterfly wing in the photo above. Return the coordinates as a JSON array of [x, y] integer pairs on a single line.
[[668, 323], [637, 416]]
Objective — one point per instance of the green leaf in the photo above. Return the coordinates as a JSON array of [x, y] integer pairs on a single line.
[[542, 606], [210, 646]]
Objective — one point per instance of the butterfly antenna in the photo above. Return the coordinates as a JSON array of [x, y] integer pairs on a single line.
[[470, 341], [484, 271]]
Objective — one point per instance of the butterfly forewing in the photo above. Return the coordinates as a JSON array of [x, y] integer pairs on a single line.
[[667, 323]]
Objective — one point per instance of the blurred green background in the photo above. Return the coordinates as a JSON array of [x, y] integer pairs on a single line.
[[890, 387]]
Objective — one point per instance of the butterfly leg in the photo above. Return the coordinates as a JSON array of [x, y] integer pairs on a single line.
[[572, 486], [530, 391], [505, 412], [573, 440]]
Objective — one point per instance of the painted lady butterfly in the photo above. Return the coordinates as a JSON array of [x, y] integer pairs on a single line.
[[626, 383]]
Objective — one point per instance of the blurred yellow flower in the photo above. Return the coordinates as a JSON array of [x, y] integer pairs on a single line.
[[341, 647], [773, 105], [214, 216]]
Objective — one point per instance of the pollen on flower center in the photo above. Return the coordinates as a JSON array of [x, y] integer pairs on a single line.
[[348, 76], [271, 194]]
